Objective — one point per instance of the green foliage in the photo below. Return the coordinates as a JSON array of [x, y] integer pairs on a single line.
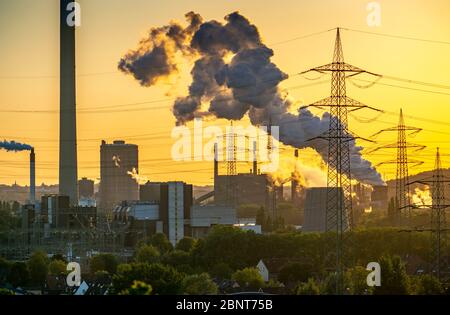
[[356, 279], [106, 262], [261, 217], [185, 244], [138, 288], [5, 267], [147, 254], [6, 292], [18, 275], [57, 267], [247, 210], [392, 210], [199, 285], [163, 279], [226, 244], [248, 278], [178, 259], [429, 285], [309, 287], [160, 241], [8, 218], [295, 272], [102, 276], [59, 257], [221, 271], [289, 213], [38, 267], [394, 279]]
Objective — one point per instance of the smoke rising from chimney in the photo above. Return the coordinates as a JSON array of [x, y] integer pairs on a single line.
[[14, 146], [234, 74]]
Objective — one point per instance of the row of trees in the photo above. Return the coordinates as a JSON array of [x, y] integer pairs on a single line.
[[394, 281], [8, 215], [227, 253], [32, 273]]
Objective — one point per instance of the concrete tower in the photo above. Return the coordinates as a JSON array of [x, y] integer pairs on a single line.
[[67, 124]]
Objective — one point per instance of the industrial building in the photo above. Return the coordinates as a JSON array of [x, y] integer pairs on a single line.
[[85, 188], [242, 189], [57, 212], [86, 196], [379, 198], [203, 218], [150, 191], [165, 212], [117, 161], [315, 218]]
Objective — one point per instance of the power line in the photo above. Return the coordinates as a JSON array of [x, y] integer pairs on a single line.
[[402, 87], [398, 36], [301, 37]]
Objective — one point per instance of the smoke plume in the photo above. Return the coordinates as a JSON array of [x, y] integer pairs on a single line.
[[138, 178], [14, 146], [234, 74]]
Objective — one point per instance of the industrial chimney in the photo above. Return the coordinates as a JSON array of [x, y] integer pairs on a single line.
[[32, 177], [216, 163], [255, 160], [68, 177], [294, 183]]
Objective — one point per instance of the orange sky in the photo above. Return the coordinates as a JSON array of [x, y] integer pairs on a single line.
[[29, 67]]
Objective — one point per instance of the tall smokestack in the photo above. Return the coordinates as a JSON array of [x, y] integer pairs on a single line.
[[216, 163], [32, 177], [294, 182], [255, 161], [67, 118]]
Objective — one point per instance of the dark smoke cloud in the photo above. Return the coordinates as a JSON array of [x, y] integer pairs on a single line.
[[246, 85], [14, 146], [155, 56]]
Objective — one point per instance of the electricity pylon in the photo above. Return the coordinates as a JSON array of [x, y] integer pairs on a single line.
[[231, 166], [402, 193], [339, 202], [438, 220], [438, 227]]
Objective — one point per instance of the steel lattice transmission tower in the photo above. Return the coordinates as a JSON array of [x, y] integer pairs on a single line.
[[438, 226], [438, 221], [231, 165], [402, 193], [339, 202]]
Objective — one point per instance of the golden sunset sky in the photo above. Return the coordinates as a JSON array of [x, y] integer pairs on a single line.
[[29, 69]]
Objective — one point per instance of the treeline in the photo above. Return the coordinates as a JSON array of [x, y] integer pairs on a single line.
[[226, 260], [31, 273], [9, 215]]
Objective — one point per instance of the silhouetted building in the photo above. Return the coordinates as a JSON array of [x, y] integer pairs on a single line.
[[118, 161], [315, 217], [150, 191], [56, 212], [77, 218], [379, 198], [203, 218], [85, 188], [168, 213], [52, 206], [242, 188]]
